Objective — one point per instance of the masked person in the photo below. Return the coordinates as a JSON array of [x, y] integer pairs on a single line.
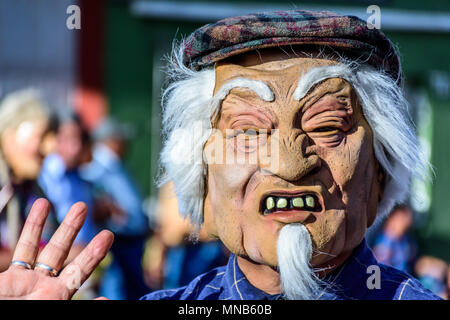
[[307, 110], [321, 94]]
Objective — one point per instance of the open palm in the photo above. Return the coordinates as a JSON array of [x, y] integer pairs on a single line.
[[19, 282]]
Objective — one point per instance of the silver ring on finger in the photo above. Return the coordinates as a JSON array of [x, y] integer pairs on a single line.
[[52, 271], [21, 264]]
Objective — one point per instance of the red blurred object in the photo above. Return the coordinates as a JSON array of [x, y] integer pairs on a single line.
[[89, 98]]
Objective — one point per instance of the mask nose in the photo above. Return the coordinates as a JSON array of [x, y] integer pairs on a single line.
[[292, 158]]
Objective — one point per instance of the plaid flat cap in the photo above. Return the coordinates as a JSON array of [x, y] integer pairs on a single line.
[[345, 34]]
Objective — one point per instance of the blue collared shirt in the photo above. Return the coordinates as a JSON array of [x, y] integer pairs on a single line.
[[348, 282]]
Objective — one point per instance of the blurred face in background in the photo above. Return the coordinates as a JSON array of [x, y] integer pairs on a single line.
[[399, 222], [70, 144], [49, 143], [21, 147]]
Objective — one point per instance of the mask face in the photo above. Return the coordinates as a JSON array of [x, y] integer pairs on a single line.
[[326, 175]]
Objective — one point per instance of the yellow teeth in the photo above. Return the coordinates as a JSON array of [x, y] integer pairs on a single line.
[[270, 203], [310, 201], [298, 202], [282, 203]]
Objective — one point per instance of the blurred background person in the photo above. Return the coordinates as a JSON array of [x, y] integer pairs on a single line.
[[119, 208], [448, 283], [432, 273], [394, 246], [182, 259], [60, 177], [50, 139], [24, 118]]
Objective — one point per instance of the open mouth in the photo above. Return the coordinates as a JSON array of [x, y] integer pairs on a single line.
[[304, 202]]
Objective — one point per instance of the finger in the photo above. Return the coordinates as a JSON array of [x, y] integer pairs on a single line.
[[77, 272], [56, 251], [101, 298], [28, 244]]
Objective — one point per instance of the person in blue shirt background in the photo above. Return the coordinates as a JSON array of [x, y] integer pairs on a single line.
[[433, 273], [119, 208], [60, 177], [394, 245]]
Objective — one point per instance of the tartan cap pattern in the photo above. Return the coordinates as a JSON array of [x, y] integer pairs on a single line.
[[345, 34]]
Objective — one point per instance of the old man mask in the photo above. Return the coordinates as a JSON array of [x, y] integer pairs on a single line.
[[288, 147]]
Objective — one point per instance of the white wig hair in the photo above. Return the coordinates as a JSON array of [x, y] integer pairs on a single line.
[[189, 100]]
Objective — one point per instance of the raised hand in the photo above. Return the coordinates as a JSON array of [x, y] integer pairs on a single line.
[[32, 277]]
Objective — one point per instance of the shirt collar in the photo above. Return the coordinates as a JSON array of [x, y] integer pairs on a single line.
[[346, 282], [237, 287], [349, 280]]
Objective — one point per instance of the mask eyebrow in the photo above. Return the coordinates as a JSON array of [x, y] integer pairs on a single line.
[[257, 86], [316, 75]]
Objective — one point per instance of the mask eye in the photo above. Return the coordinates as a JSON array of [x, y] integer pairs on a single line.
[[325, 129], [251, 132], [247, 134], [342, 99]]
